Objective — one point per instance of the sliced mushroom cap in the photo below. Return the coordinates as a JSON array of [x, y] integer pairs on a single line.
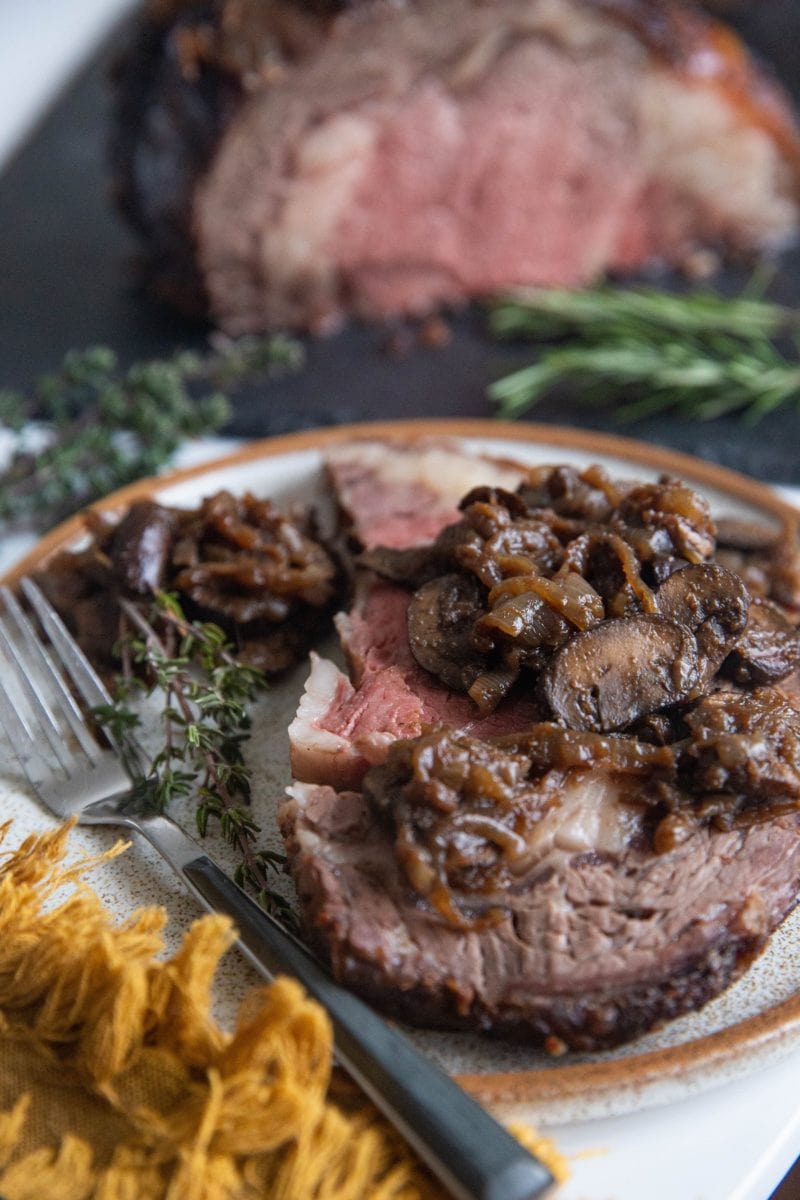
[[440, 619], [713, 602], [769, 648], [622, 669], [140, 547]]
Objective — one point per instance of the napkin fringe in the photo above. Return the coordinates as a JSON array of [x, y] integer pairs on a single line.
[[132, 1091]]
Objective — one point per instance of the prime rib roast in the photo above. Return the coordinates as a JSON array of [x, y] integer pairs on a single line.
[[556, 793], [295, 162]]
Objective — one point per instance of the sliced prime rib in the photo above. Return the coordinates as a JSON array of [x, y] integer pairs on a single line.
[[406, 496], [397, 496], [294, 162], [344, 723], [609, 941], [650, 849]]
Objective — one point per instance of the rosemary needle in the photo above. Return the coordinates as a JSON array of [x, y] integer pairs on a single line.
[[646, 351], [552, 312]]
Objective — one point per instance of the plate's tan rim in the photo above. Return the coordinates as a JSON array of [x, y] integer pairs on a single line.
[[641, 453], [751, 1037]]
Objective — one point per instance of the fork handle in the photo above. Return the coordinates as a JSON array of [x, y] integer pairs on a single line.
[[473, 1156]]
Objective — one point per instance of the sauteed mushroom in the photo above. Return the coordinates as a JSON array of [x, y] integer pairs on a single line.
[[769, 648], [713, 603], [622, 669], [141, 545], [440, 619]]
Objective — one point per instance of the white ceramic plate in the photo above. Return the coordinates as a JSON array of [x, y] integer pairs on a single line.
[[753, 1023]]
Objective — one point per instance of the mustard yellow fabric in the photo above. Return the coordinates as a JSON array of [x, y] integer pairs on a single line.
[[116, 1083]]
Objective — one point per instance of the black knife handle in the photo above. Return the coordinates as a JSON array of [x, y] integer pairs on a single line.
[[473, 1156]]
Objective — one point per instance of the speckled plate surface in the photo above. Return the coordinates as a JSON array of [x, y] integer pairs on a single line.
[[751, 1025]]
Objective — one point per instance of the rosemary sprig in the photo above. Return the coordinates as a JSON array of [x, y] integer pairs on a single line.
[[205, 722], [99, 426], [646, 351]]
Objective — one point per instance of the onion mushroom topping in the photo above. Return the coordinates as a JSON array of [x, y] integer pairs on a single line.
[[746, 743], [440, 619], [470, 814], [466, 810], [713, 603], [567, 552], [247, 560], [241, 562], [461, 809], [141, 545], [614, 674], [769, 648]]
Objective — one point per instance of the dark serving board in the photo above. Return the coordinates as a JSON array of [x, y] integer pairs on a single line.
[[66, 280]]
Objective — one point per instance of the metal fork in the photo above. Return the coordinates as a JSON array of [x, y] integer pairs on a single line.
[[472, 1155]]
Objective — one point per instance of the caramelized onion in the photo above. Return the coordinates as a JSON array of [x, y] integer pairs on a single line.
[[548, 745], [579, 555], [568, 594], [669, 510], [465, 810], [517, 584], [491, 687]]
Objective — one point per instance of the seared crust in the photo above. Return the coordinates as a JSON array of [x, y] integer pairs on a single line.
[[710, 53], [238, 37], [174, 99]]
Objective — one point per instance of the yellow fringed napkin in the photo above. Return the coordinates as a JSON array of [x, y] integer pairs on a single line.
[[117, 1084]]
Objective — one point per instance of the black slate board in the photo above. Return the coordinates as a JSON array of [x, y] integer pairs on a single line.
[[66, 281]]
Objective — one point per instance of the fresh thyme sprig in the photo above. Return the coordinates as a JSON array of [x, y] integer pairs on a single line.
[[647, 351], [99, 426], [205, 721]]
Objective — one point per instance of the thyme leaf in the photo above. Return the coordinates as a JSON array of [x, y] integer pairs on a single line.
[[204, 720], [647, 351], [99, 426]]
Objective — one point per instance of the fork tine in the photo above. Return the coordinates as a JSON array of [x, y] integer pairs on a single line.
[[40, 719], [67, 767], [81, 673], [76, 664], [65, 704], [22, 740]]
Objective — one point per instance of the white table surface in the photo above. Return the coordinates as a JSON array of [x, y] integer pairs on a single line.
[[42, 44], [735, 1142]]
